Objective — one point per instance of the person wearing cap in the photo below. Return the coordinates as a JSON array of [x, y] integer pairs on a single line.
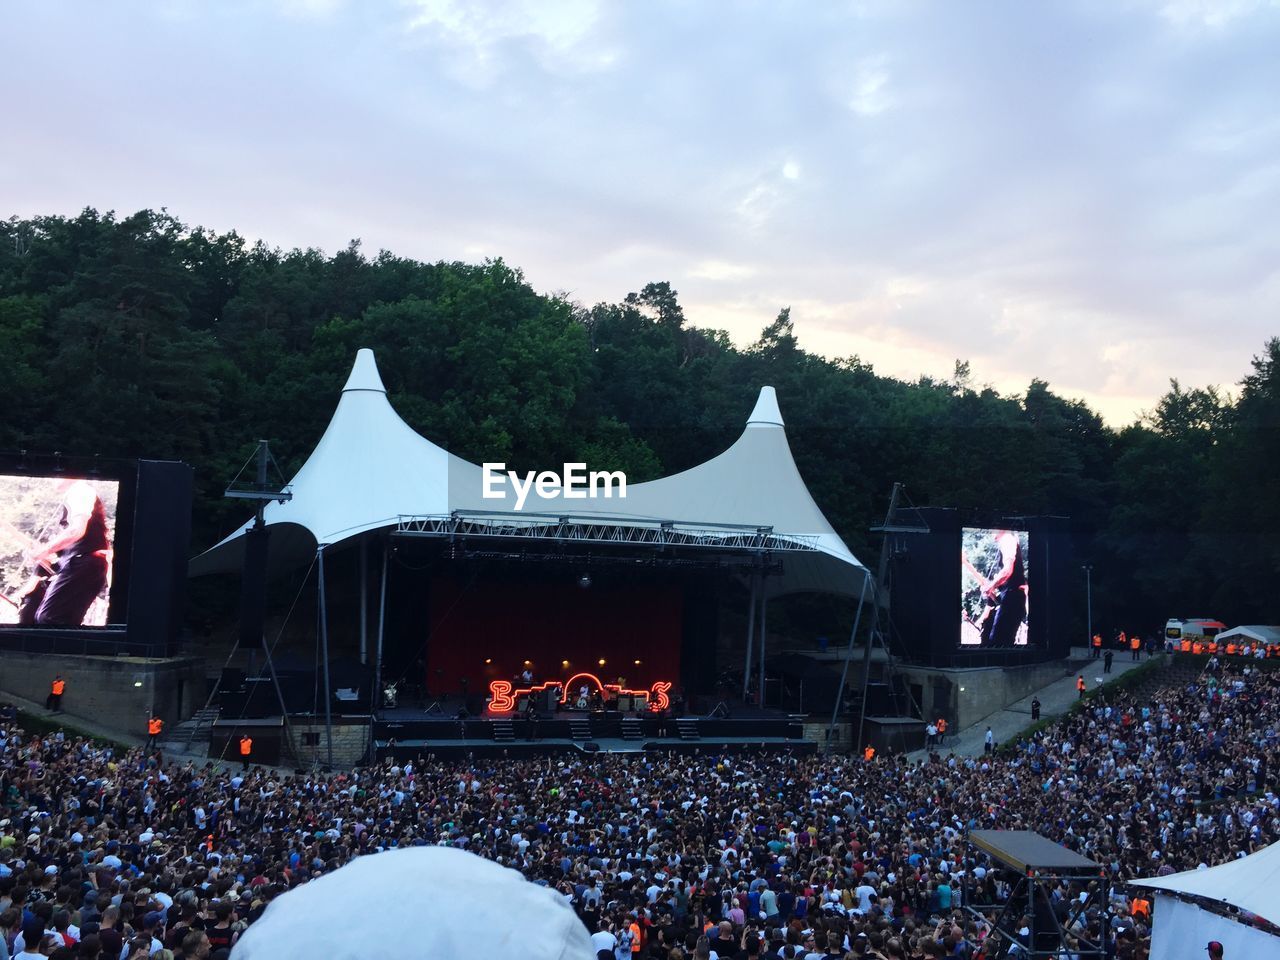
[[1214, 949]]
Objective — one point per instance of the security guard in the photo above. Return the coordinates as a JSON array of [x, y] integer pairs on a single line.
[[246, 748], [54, 702], [154, 728]]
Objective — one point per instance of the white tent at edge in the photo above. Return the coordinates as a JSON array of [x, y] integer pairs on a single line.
[[1256, 633], [370, 469], [1249, 883]]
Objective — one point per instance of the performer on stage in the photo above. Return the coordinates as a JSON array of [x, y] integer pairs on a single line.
[[1004, 587], [78, 557]]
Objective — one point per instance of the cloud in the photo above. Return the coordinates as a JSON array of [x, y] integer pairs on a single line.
[[1081, 192], [870, 96], [1212, 13], [721, 270]]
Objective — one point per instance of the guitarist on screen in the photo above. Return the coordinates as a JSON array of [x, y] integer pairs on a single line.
[[77, 555], [1004, 587]]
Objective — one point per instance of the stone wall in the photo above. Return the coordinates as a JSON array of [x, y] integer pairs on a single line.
[[117, 692], [350, 743], [977, 693], [817, 733]]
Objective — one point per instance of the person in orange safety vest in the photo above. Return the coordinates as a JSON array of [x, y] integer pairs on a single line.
[[54, 701]]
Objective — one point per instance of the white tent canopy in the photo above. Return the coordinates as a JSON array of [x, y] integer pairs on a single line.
[[1183, 929], [1250, 883], [371, 471], [1258, 634]]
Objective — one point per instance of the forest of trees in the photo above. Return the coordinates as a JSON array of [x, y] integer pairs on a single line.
[[138, 336]]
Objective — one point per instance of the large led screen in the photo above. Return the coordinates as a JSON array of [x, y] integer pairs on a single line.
[[57, 541], [994, 589]]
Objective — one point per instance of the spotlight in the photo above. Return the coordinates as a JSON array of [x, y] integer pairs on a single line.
[[564, 663], [584, 581], [528, 663], [636, 662], [488, 660], [601, 661]]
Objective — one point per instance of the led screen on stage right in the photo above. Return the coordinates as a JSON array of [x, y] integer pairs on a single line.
[[994, 589], [57, 542]]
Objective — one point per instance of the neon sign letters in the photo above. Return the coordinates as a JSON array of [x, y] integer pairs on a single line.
[[505, 698]]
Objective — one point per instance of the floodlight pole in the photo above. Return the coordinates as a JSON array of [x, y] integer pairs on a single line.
[[261, 492], [876, 598], [1088, 599], [751, 633], [364, 601], [382, 621], [324, 645], [848, 656], [764, 626]]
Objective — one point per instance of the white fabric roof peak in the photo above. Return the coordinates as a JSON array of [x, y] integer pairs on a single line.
[[766, 412], [364, 374], [1249, 883], [370, 469]]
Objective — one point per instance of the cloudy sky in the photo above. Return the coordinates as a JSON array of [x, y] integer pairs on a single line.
[[1084, 192]]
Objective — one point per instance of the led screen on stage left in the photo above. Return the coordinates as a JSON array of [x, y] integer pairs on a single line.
[[994, 588], [57, 539]]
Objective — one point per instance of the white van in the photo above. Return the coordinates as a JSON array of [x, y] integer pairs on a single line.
[[1193, 628]]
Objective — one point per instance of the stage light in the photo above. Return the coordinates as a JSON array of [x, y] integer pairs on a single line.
[[528, 663], [637, 663], [601, 661], [584, 581], [564, 663], [488, 660]]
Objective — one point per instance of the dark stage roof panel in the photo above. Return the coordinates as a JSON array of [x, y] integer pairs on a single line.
[[1025, 850]]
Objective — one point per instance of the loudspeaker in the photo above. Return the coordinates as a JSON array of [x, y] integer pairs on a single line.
[[253, 587], [233, 680], [591, 747], [549, 699], [157, 572]]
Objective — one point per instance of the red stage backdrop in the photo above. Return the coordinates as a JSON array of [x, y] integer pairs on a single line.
[[509, 623]]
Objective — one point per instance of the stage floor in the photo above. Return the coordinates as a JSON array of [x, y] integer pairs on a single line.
[[447, 708], [408, 731]]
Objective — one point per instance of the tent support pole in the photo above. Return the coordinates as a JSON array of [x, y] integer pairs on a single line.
[[764, 629], [848, 656], [364, 601], [751, 633], [382, 621], [324, 652]]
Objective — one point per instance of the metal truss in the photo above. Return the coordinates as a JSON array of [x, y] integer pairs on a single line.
[[621, 531]]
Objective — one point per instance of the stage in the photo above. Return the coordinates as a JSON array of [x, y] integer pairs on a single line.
[[444, 726]]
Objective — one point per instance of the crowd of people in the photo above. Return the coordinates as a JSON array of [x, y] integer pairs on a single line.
[[106, 855]]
